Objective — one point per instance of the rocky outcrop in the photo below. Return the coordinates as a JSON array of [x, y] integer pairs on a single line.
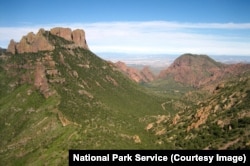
[[62, 32], [77, 36], [40, 41], [12, 47], [31, 43], [45, 74], [145, 75], [132, 73], [40, 81]]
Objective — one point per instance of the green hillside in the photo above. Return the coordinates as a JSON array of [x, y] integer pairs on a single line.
[[69, 99], [217, 121]]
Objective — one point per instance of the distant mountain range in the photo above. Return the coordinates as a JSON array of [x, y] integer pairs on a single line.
[[164, 60]]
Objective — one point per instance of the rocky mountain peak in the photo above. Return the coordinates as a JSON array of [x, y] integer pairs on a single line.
[[40, 42]]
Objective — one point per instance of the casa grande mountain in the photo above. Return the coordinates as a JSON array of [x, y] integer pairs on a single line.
[[57, 95]]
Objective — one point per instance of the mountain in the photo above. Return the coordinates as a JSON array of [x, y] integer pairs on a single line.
[[201, 70], [145, 75], [58, 95]]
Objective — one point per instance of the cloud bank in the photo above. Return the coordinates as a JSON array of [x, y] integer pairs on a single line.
[[153, 37]]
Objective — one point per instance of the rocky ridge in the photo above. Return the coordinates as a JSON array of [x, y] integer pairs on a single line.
[[145, 75], [40, 42]]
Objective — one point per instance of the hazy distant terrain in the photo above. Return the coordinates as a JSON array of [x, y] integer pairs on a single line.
[[160, 61]]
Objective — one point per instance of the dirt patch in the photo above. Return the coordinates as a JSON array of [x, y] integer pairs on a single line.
[[63, 119]]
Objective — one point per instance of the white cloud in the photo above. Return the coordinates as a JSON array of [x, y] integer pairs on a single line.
[[153, 37]]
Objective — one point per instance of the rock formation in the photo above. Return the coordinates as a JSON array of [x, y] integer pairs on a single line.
[[12, 47], [39, 42], [62, 32], [31, 43], [145, 75], [77, 36]]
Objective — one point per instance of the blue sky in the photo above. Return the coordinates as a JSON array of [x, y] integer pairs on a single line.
[[217, 27]]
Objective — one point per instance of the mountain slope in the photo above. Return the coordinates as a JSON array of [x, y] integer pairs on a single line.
[[222, 121], [68, 98]]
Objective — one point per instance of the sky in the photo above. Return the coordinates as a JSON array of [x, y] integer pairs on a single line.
[[137, 27]]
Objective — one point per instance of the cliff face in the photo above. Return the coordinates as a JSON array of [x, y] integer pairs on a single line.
[[62, 32], [77, 36], [39, 42]]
